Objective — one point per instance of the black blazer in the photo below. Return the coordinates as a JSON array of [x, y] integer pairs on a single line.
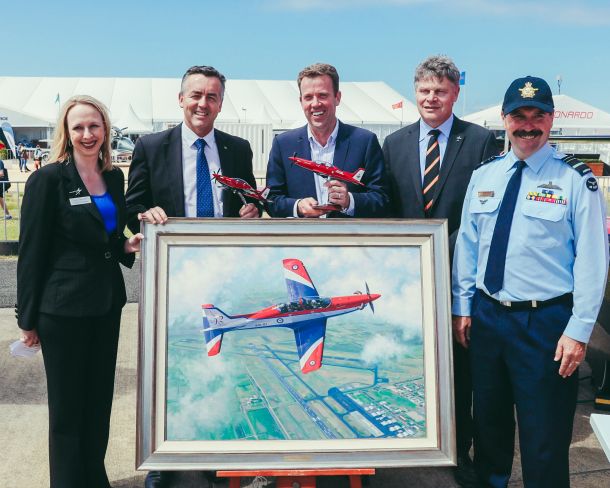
[[468, 145], [68, 264], [155, 174], [355, 148]]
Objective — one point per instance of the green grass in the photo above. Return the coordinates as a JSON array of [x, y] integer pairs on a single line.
[[9, 229]]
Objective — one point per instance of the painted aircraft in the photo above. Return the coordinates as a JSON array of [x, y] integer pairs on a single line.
[[241, 188], [329, 171], [305, 313]]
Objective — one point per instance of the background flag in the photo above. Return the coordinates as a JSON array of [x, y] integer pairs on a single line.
[[462, 78], [397, 105]]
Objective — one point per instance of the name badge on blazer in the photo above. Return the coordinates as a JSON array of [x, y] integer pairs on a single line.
[[80, 200]]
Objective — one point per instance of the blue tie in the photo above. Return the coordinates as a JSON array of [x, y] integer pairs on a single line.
[[496, 259], [205, 200]]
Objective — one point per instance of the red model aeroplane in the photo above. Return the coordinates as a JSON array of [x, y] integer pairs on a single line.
[[241, 188], [329, 171], [305, 313]]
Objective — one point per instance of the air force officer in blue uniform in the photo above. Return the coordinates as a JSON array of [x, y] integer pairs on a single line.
[[530, 271]]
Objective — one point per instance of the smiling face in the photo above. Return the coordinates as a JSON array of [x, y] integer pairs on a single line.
[[201, 101], [435, 98], [86, 130], [319, 103], [528, 129]]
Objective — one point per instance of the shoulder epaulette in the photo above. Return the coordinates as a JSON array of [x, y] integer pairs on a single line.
[[488, 160], [576, 164]]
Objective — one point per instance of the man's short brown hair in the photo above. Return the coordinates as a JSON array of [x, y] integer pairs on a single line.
[[320, 69]]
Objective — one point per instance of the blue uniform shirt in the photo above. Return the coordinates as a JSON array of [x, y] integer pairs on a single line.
[[557, 244]]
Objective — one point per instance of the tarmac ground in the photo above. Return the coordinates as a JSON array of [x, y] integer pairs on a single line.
[[23, 427]]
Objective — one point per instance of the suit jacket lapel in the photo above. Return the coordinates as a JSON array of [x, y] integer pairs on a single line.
[[414, 169], [75, 188], [456, 138], [172, 151], [304, 151], [341, 147], [227, 163]]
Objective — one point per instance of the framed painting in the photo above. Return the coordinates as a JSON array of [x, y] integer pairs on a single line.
[[276, 344]]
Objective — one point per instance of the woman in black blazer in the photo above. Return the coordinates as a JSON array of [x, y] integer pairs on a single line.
[[70, 289]]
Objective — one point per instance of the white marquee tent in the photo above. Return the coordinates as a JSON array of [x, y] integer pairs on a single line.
[[572, 117], [253, 109]]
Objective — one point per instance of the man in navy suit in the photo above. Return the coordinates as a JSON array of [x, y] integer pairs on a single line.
[[169, 170], [429, 165], [297, 192]]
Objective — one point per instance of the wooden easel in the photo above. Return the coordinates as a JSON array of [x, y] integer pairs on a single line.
[[297, 478]]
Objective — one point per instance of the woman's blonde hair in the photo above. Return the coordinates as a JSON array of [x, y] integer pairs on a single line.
[[61, 150]]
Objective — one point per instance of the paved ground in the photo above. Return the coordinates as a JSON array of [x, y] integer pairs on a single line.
[[23, 427]]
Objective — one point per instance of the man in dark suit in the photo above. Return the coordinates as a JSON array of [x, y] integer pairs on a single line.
[[298, 192], [171, 171], [429, 165]]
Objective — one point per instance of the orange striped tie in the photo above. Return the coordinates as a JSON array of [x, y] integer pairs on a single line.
[[432, 169]]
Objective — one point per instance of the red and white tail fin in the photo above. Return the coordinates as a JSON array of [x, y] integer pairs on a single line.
[[358, 174], [265, 192], [213, 320]]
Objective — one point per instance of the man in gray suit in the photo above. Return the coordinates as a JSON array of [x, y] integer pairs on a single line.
[[429, 164]]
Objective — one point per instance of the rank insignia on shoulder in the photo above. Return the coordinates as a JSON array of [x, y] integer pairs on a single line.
[[592, 184], [577, 164], [488, 160]]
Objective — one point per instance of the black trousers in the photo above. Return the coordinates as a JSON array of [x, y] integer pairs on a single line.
[[80, 360], [462, 381]]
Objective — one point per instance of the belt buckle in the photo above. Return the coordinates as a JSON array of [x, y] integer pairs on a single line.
[[506, 303], [534, 303]]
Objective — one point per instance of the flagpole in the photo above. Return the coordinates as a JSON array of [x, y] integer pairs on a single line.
[[402, 104]]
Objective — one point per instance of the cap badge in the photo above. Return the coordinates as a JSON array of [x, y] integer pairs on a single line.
[[528, 91]]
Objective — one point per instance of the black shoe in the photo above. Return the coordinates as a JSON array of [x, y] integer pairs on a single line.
[[27, 170], [157, 479], [464, 473]]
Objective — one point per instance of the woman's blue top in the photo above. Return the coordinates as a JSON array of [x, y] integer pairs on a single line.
[[107, 208]]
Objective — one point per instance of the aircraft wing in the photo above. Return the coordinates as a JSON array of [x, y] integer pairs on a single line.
[[310, 344], [298, 282]]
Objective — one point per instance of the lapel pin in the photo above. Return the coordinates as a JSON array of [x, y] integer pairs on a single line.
[[76, 192], [458, 138]]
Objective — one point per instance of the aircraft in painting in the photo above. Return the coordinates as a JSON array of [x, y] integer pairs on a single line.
[[241, 188], [305, 313], [331, 172]]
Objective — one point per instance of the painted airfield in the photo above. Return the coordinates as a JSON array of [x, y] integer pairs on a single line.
[[370, 384], [268, 397]]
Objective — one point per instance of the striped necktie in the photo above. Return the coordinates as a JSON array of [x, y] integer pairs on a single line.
[[432, 169], [205, 199], [496, 259]]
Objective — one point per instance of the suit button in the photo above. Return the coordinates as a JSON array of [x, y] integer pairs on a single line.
[[107, 255]]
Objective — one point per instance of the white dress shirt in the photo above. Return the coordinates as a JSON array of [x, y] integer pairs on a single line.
[[324, 154], [189, 170]]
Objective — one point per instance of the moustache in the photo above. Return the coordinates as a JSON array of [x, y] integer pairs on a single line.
[[526, 133]]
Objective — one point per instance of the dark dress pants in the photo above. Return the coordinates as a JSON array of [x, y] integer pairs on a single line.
[[512, 355], [463, 399], [80, 361]]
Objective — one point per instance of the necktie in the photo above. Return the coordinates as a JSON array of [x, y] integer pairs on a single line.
[[205, 200], [432, 169], [496, 260]]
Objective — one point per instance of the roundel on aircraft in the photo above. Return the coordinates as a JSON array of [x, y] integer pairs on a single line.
[[280, 320], [312, 363], [295, 266]]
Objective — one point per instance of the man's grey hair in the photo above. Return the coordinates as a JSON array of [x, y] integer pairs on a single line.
[[438, 67]]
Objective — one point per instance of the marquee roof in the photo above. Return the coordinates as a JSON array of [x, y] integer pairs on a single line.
[[140, 103], [569, 114]]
